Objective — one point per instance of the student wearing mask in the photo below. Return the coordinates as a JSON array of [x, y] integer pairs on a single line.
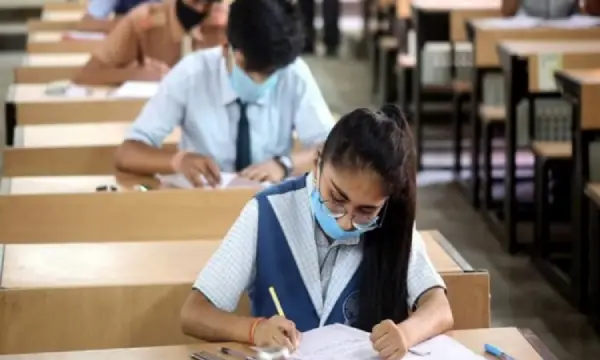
[[147, 42], [338, 245], [238, 106], [550, 9]]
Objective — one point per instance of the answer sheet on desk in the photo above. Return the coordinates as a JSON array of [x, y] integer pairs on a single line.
[[228, 180], [136, 90], [340, 342]]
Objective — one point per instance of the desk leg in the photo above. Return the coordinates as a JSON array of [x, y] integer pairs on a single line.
[[476, 96], [10, 122], [417, 90], [514, 87], [581, 174], [593, 239]]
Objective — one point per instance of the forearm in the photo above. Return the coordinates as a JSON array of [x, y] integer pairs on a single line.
[[139, 158], [201, 320], [304, 160], [510, 7], [433, 317]]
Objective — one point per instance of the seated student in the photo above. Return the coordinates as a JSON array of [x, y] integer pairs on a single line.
[[338, 245], [238, 105], [146, 43], [549, 9]]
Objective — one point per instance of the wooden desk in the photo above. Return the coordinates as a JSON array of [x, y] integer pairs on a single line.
[[68, 149], [582, 89], [441, 21], [54, 42], [44, 68], [520, 343], [63, 14], [130, 294], [485, 35], [28, 104], [67, 209], [529, 68]]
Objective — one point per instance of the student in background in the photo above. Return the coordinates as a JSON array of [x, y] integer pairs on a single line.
[[550, 9], [338, 245], [147, 42], [237, 106]]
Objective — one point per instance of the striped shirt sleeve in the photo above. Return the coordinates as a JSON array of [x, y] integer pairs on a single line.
[[422, 275], [231, 269]]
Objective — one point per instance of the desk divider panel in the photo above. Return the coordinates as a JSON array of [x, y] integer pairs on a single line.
[[80, 111], [126, 216]]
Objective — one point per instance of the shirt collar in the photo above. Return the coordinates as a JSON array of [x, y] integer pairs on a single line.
[[228, 95]]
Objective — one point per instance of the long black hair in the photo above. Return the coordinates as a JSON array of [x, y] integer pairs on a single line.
[[381, 141]]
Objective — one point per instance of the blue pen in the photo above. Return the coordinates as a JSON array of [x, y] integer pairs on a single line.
[[492, 350]]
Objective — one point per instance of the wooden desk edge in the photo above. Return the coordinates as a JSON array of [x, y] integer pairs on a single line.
[[537, 344], [451, 251], [593, 195]]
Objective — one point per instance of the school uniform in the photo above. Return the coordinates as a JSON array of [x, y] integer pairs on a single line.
[[276, 242], [548, 9], [197, 96]]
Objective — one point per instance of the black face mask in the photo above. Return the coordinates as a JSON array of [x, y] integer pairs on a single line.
[[188, 17]]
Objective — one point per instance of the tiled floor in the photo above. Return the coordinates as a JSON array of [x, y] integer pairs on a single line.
[[520, 297]]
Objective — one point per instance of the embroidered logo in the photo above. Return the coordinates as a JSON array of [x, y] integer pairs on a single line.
[[350, 309]]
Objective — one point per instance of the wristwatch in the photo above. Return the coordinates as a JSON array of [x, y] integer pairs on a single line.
[[286, 163]]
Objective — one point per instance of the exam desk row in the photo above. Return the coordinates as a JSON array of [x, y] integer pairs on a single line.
[[519, 343], [126, 294]]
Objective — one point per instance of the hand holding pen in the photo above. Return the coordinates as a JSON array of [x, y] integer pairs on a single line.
[[277, 330]]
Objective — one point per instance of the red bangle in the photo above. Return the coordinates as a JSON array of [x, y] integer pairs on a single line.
[[253, 329]]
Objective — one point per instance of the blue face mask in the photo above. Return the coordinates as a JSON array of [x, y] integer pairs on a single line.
[[327, 221], [246, 88]]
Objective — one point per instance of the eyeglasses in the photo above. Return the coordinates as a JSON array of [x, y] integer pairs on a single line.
[[359, 221]]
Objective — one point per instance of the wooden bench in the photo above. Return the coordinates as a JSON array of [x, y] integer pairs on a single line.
[[130, 294], [520, 343], [44, 68]]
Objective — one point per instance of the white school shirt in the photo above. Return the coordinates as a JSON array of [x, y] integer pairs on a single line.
[[197, 95], [231, 269]]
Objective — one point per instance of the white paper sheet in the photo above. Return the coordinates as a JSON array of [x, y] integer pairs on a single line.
[[136, 90], [85, 35], [340, 342], [228, 180], [515, 22], [574, 22]]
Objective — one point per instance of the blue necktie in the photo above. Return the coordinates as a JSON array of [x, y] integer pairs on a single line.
[[243, 158]]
